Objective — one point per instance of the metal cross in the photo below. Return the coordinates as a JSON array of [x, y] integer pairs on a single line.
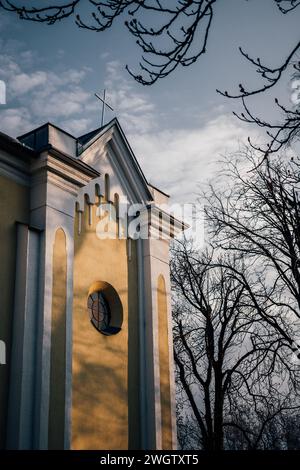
[[104, 103]]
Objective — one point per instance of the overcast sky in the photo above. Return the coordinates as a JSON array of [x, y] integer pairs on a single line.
[[178, 128]]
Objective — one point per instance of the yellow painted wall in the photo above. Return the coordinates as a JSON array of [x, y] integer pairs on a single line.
[[133, 353], [58, 343], [165, 395], [100, 416], [14, 206]]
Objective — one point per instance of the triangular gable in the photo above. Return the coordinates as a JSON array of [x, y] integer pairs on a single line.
[[107, 150]]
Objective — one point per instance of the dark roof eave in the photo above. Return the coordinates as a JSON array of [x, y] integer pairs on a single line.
[[8, 144], [159, 190], [45, 125], [11, 145]]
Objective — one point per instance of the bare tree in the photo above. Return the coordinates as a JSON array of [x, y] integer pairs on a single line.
[[282, 432], [258, 218], [290, 424], [284, 132], [176, 32], [227, 357], [169, 38], [172, 33], [189, 434]]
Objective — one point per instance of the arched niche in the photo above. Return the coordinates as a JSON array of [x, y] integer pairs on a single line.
[[164, 363], [56, 423]]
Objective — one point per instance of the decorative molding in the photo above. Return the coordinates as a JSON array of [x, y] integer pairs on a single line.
[[161, 224], [89, 191], [49, 162], [13, 168], [60, 182], [113, 138]]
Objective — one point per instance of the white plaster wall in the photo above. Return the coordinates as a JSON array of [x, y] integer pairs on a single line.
[[62, 141]]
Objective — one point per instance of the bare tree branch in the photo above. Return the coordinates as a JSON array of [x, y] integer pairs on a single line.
[[226, 353]]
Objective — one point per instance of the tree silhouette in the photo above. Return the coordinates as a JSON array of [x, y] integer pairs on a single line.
[[257, 218], [237, 310], [172, 34], [228, 358]]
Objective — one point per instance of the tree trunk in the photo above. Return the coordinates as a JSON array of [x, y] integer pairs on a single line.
[[218, 439]]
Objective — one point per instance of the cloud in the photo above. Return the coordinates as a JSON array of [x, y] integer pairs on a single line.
[[60, 103], [23, 82], [132, 106], [38, 95], [76, 126], [104, 55], [176, 159], [16, 119], [179, 160]]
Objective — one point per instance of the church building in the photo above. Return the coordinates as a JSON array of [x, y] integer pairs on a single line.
[[85, 312]]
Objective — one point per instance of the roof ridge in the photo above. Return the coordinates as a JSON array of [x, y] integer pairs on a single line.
[[84, 139]]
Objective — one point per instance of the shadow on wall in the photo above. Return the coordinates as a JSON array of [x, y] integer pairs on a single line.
[[58, 343], [101, 374], [99, 385], [95, 408], [100, 363], [165, 391], [14, 205]]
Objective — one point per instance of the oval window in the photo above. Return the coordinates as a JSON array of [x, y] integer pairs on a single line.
[[100, 314]]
